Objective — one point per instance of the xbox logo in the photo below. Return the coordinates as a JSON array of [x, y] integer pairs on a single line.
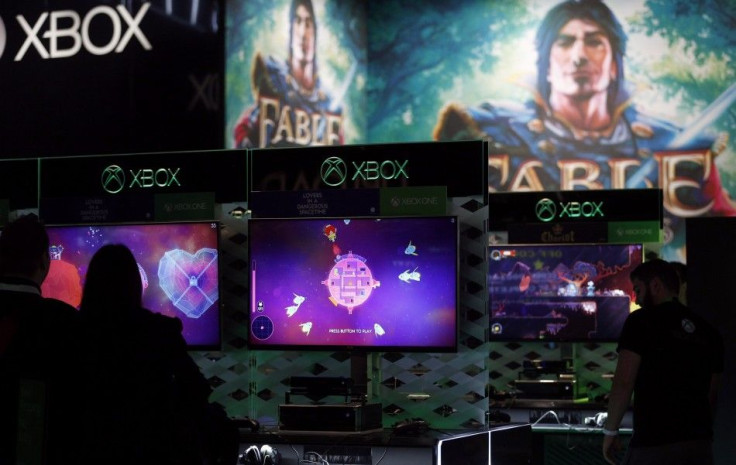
[[545, 210], [333, 171], [113, 179]]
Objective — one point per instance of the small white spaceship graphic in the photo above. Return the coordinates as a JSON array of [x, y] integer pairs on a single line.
[[291, 310], [306, 327], [378, 330], [411, 249], [408, 276]]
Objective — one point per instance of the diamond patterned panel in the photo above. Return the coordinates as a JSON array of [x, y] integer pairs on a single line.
[[594, 365], [255, 383], [585, 447], [505, 360], [272, 370], [455, 383], [228, 371]]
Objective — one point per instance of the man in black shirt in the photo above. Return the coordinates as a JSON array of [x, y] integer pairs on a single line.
[[38, 357], [671, 360]]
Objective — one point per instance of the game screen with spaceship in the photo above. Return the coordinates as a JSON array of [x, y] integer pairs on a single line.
[[178, 263], [579, 292], [362, 283]]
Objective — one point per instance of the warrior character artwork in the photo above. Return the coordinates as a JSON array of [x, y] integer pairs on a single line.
[[292, 108]]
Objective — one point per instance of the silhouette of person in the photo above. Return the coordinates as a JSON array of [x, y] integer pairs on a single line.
[[148, 403], [39, 399], [671, 360]]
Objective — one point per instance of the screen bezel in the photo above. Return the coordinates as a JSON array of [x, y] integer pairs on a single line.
[[449, 348], [214, 345]]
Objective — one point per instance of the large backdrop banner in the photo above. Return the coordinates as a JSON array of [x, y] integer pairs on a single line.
[[572, 95], [296, 73]]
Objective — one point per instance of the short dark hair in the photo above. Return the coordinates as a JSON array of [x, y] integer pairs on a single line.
[[681, 270], [657, 268], [588, 10], [23, 243]]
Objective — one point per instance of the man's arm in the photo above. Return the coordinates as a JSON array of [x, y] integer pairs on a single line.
[[618, 402], [622, 388]]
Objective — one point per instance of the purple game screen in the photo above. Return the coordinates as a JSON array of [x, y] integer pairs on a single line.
[[575, 292], [336, 283], [178, 263]]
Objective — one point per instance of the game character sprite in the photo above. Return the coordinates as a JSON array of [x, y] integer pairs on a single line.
[[581, 274]]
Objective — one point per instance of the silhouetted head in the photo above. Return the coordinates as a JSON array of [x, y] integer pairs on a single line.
[[681, 270], [655, 281], [113, 284], [24, 249]]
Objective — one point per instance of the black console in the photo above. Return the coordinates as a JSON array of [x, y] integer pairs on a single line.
[[545, 389], [247, 423], [350, 417], [411, 427]]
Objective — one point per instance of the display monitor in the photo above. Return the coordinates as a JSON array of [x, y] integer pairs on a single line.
[[499, 445], [384, 284], [464, 449], [178, 263], [556, 292]]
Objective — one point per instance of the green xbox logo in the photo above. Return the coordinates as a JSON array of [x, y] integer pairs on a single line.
[[546, 210], [113, 179], [333, 171]]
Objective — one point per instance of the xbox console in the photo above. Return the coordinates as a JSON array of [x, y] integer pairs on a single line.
[[351, 417], [545, 389]]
